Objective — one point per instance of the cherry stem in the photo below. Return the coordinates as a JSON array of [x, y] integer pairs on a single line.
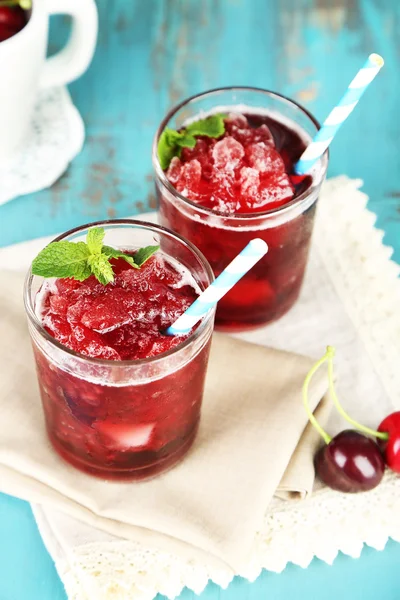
[[328, 357], [24, 4], [330, 353], [327, 438]]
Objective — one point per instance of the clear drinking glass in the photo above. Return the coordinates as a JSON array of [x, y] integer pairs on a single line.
[[158, 399], [273, 285]]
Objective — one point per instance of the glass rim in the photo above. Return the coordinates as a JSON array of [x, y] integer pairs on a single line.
[[30, 310], [298, 200]]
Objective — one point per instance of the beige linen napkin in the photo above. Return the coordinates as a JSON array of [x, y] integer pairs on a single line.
[[254, 440]]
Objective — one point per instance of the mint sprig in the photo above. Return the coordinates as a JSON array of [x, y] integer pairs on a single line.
[[171, 142], [80, 260]]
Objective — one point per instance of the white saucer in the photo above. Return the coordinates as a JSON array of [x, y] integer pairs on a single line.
[[56, 136]]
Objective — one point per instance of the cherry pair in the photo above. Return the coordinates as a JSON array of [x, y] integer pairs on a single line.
[[351, 461]]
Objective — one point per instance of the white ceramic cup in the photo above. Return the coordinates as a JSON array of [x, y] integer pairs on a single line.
[[24, 68]]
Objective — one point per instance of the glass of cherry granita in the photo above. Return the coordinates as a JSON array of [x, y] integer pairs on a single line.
[[121, 399], [222, 190]]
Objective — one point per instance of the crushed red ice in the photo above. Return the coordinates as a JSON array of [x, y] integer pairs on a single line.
[[190, 176], [124, 320], [264, 158], [240, 172], [174, 170], [249, 182], [227, 154]]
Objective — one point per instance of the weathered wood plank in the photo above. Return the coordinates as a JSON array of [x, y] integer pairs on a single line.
[[151, 54]]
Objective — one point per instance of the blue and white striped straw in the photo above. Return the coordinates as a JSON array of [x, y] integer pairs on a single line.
[[240, 265], [339, 114]]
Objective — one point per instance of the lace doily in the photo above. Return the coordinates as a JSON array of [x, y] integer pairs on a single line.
[[55, 137], [321, 527], [350, 299]]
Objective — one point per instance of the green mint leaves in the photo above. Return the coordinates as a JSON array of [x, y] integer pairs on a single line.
[[212, 126], [171, 142], [135, 261], [63, 259], [143, 254], [113, 253], [101, 268], [94, 239], [80, 260]]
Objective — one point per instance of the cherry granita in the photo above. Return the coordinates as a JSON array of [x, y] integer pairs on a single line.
[[114, 419], [124, 320], [233, 187], [242, 171]]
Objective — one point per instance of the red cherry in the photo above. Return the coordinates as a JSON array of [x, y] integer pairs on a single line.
[[391, 446], [12, 20], [351, 462]]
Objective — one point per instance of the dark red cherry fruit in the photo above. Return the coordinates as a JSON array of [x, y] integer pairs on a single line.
[[351, 462], [391, 446], [12, 20]]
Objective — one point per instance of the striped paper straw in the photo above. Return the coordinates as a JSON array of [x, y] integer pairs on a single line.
[[240, 265], [339, 114]]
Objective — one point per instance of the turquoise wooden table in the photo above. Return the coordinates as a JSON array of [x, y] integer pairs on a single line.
[[150, 55]]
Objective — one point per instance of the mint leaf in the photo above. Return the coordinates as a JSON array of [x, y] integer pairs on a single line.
[[137, 260], [167, 147], [212, 126], [144, 254], [101, 268], [171, 142], [63, 259], [94, 239], [79, 260], [186, 140], [113, 253]]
